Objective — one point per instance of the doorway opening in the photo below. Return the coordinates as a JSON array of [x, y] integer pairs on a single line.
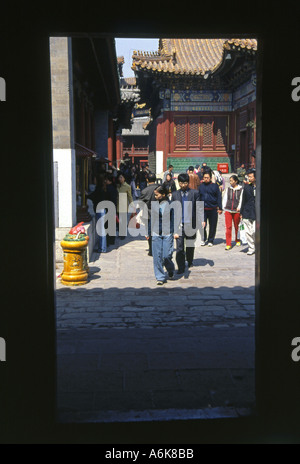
[[128, 350]]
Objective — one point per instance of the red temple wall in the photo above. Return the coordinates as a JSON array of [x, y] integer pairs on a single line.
[[237, 133]]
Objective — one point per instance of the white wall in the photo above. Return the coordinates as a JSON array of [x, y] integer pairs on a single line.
[[159, 162], [66, 167]]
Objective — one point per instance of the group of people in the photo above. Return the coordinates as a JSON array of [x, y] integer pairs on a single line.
[[135, 176], [237, 201], [196, 185], [109, 185]]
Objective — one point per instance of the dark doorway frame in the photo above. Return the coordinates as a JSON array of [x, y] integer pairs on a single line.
[[28, 379]]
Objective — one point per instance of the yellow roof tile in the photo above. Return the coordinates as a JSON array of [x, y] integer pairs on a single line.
[[189, 56]]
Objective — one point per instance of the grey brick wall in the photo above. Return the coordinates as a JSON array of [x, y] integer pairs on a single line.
[[62, 92], [152, 161]]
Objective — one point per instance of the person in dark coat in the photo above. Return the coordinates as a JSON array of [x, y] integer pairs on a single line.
[[241, 173], [211, 195], [162, 235], [112, 195], [143, 178], [186, 227], [97, 196], [147, 196], [248, 210], [100, 193], [169, 184]]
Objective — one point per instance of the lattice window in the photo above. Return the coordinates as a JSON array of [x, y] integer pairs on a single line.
[[194, 132], [180, 132], [207, 132], [243, 119]]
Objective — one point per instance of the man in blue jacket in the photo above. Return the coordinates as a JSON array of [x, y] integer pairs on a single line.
[[211, 195]]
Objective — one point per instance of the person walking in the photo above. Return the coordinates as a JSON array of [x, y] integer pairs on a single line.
[[220, 181], [186, 227], [211, 172], [241, 173], [248, 211], [122, 204], [112, 194], [169, 171], [170, 185], [232, 201], [162, 228], [194, 182], [211, 195], [133, 183], [125, 168], [143, 178], [147, 196], [97, 196]]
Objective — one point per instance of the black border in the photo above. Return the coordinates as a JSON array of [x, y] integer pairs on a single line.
[[27, 321]]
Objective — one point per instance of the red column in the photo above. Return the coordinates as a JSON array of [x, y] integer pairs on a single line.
[[119, 150], [110, 150], [166, 136]]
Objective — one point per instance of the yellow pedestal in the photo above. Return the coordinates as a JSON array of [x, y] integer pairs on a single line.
[[75, 261]]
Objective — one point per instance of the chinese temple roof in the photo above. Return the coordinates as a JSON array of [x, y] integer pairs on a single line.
[[128, 82], [130, 95], [129, 90], [190, 56]]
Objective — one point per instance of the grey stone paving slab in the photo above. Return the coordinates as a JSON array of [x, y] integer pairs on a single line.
[[128, 349]]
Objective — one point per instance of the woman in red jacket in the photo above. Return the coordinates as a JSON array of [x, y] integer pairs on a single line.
[[232, 201]]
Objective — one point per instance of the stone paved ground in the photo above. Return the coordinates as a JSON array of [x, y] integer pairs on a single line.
[[129, 349]]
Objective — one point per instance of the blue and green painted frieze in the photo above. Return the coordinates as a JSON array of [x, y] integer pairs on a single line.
[[208, 100]]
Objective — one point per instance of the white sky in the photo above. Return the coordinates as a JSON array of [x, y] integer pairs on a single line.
[[126, 47]]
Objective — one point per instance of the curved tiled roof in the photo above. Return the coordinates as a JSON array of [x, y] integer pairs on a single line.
[[189, 56], [128, 82]]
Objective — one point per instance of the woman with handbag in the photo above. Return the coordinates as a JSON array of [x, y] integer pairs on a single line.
[[232, 201]]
